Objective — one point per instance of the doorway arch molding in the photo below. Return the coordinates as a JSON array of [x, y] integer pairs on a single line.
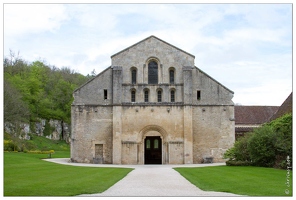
[[149, 128], [144, 132]]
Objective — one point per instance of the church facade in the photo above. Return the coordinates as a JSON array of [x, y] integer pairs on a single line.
[[151, 106]]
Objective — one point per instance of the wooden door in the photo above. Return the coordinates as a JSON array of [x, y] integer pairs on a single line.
[[153, 152]]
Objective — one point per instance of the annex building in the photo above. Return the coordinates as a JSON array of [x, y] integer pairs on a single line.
[[151, 106]]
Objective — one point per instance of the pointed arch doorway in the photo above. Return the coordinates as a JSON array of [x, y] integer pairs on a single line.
[[153, 150]]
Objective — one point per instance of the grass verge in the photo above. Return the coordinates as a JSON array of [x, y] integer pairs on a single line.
[[12, 143], [28, 175], [249, 180]]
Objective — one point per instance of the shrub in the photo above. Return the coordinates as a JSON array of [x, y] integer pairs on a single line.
[[283, 144], [267, 146], [9, 145], [239, 151], [41, 152], [261, 146], [238, 163]]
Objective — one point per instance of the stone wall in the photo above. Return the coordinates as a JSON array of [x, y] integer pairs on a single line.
[[91, 125], [212, 132], [213, 129], [138, 122], [93, 91]]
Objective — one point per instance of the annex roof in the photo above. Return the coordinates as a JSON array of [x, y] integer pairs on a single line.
[[285, 108], [253, 114]]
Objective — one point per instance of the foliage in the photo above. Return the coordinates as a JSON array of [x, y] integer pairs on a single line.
[[267, 146], [261, 146], [243, 180], [9, 145], [283, 144], [15, 110], [41, 152], [47, 128], [27, 175], [238, 163], [36, 143], [36, 90], [239, 151]]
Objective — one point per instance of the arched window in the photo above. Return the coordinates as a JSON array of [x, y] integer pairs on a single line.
[[172, 76], [133, 96], [134, 76], [159, 96], [172, 95], [155, 144], [152, 72], [147, 144], [146, 95]]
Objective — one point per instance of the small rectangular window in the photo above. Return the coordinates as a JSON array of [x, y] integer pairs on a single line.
[[146, 96], [133, 96], [134, 76], [172, 77], [159, 96], [172, 96], [105, 94], [198, 94]]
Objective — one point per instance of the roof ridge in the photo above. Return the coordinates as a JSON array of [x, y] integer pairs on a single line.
[[152, 36]]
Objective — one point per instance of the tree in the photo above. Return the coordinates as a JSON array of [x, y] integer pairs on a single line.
[[15, 110], [36, 90]]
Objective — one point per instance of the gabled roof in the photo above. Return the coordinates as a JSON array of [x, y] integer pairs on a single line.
[[90, 80], [285, 108], [214, 80], [152, 36], [253, 114]]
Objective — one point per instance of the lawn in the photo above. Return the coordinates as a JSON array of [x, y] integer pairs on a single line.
[[28, 175], [251, 181]]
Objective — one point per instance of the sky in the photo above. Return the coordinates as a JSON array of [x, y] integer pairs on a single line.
[[245, 47]]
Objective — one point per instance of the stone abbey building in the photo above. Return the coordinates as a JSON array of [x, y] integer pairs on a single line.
[[151, 106]]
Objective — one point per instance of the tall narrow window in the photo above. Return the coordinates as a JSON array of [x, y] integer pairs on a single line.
[[172, 76], [146, 96], [133, 96], [105, 94], [172, 96], [134, 76], [198, 95], [152, 72], [159, 96]]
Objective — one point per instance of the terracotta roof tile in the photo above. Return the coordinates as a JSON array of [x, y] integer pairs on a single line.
[[285, 108], [243, 129], [253, 114]]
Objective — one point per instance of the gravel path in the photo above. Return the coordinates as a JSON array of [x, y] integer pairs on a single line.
[[151, 180]]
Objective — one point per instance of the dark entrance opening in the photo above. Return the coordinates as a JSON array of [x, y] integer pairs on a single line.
[[153, 150]]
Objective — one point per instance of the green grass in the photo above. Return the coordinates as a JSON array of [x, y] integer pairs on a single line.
[[251, 181], [37, 143], [28, 175]]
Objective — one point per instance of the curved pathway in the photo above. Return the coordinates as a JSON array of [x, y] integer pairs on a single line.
[[150, 180]]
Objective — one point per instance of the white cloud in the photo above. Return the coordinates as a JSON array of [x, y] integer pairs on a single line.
[[243, 46], [22, 19]]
